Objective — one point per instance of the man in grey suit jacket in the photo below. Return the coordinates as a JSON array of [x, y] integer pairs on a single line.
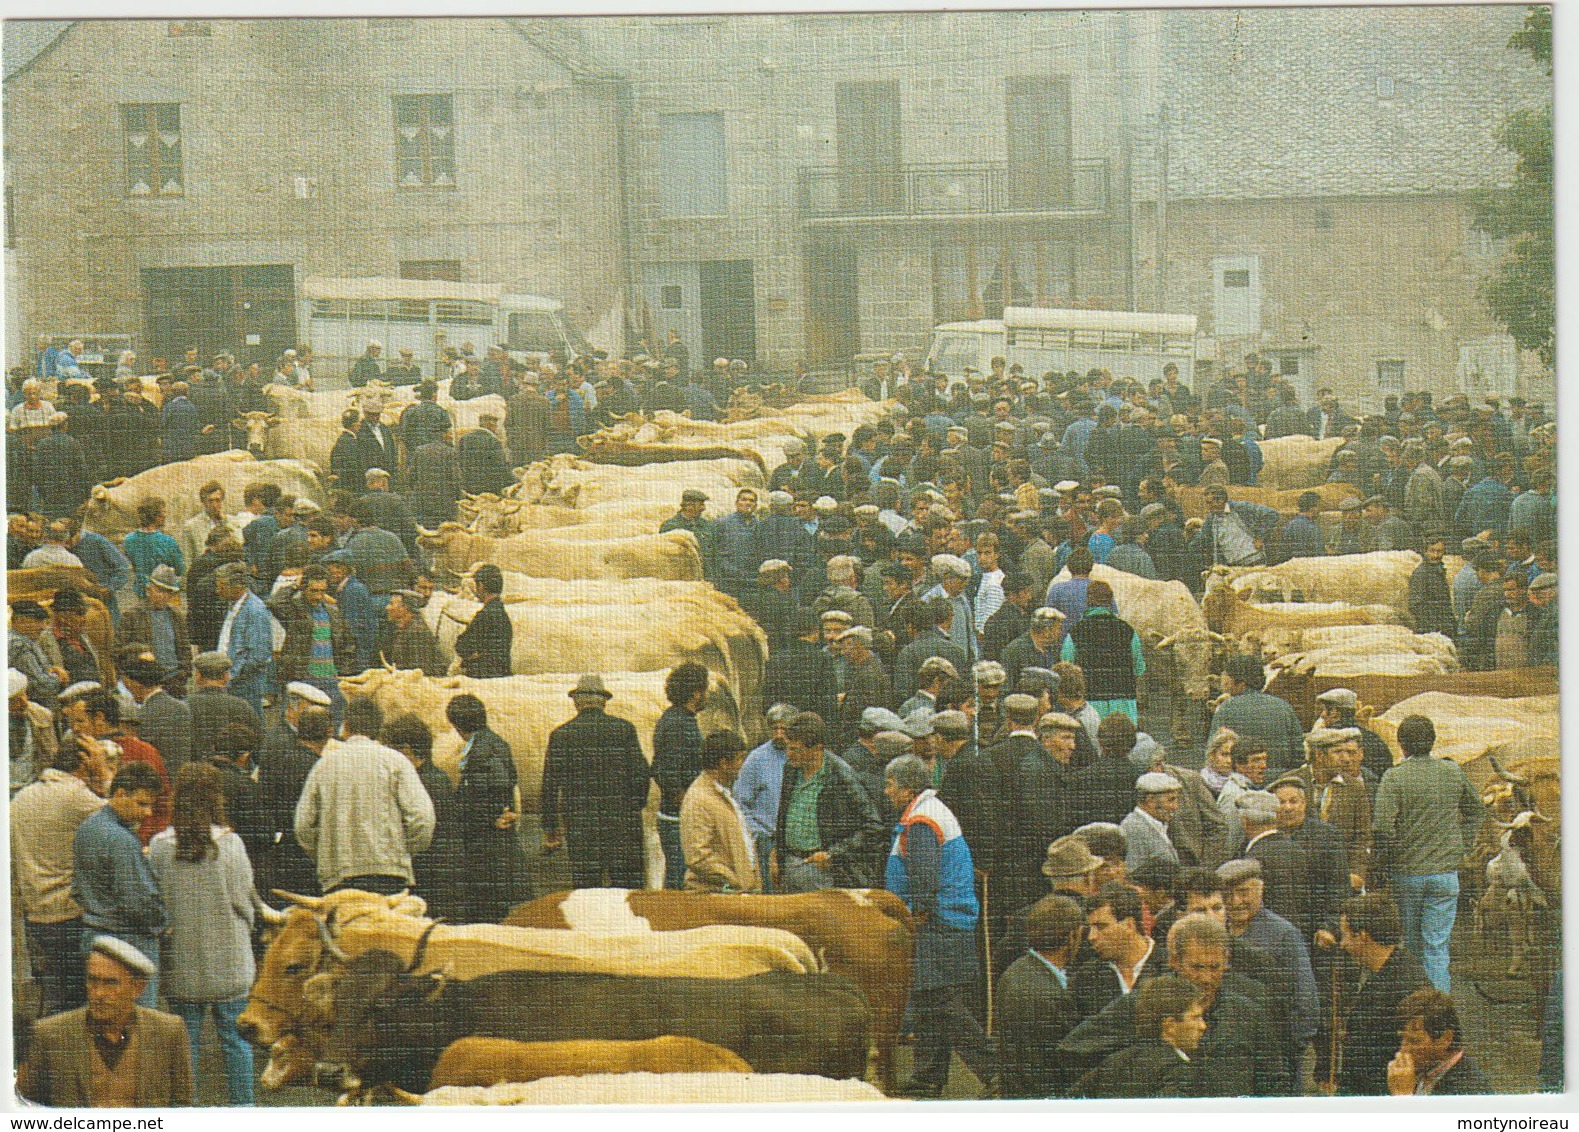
[[110, 1053], [1146, 841]]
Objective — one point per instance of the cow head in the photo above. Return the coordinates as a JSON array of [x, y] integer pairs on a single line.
[[1192, 650], [381, 1021], [256, 425], [304, 946]]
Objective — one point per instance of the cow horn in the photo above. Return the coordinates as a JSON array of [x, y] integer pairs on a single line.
[[422, 947], [404, 1097], [1168, 641], [424, 532], [440, 979], [271, 915], [311, 902], [329, 945]]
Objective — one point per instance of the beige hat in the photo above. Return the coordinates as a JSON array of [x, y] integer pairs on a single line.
[[1070, 857], [1061, 721], [857, 633]]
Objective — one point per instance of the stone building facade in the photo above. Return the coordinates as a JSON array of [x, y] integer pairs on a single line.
[[178, 181], [796, 188], [1304, 189]]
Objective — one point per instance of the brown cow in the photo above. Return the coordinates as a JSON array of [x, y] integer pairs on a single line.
[[861, 933], [1381, 692]]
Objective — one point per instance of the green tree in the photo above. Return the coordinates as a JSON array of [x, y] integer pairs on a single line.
[[1521, 294]]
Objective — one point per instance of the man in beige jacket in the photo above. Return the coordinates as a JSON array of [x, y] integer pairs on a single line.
[[719, 855]]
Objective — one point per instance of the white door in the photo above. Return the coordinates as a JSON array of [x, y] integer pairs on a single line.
[[1487, 366], [672, 296], [1236, 292]]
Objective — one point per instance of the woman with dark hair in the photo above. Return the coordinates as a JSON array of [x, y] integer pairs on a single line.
[[149, 546], [206, 880], [488, 808]]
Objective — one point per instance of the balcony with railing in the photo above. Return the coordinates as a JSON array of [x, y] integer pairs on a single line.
[[1078, 190]]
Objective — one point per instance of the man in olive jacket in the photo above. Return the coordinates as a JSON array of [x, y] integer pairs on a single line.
[[1426, 816], [828, 826]]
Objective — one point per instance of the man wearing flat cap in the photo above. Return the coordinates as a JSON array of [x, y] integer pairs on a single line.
[[1146, 840], [953, 578], [110, 1053], [595, 785], [1285, 869], [1251, 921], [689, 518], [865, 683], [798, 670]]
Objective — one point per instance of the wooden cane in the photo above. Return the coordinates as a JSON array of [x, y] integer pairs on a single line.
[[1332, 1053], [986, 944]]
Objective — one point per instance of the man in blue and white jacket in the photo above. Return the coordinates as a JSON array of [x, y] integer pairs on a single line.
[[930, 869]]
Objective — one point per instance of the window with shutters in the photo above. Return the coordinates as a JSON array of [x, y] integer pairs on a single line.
[[693, 165], [152, 131], [424, 141], [1390, 376]]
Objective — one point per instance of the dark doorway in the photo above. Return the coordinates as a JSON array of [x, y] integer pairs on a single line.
[[248, 310], [871, 179], [833, 322], [1036, 109], [727, 298]]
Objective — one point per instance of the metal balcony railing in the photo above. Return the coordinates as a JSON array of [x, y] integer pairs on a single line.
[[979, 188]]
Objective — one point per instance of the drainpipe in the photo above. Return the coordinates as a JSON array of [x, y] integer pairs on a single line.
[[624, 117]]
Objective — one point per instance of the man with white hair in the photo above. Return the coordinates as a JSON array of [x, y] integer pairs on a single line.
[[367, 367], [1285, 869], [953, 576], [865, 682], [841, 591]]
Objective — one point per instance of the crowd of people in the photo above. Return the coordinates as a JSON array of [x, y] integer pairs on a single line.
[[949, 716]]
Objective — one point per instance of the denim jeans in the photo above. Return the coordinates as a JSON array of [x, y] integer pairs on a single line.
[[252, 687], [237, 1050], [146, 944], [673, 852], [1428, 905], [764, 842]]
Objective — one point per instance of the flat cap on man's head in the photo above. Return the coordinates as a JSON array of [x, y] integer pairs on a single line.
[[375, 474], [934, 666], [1543, 582], [951, 724], [1321, 738], [1047, 615], [309, 692], [125, 954], [891, 744], [1343, 698], [1156, 782], [772, 566], [412, 600], [1238, 871], [692, 495], [1257, 806], [874, 719], [1057, 721], [837, 617], [950, 564], [989, 672], [212, 663], [1352, 503]]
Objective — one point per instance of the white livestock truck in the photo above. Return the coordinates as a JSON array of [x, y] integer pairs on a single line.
[[425, 316], [1127, 343]]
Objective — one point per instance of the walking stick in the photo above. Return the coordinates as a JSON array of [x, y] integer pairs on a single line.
[[986, 943], [1332, 1052]]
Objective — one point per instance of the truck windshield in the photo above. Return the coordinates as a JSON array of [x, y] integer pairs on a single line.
[[535, 332], [953, 353]]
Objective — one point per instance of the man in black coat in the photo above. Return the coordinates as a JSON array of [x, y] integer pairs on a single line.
[[377, 442], [1285, 868], [595, 785], [1370, 931], [213, 708], [387, 510], [287, 758], [488, 809], [439, 869], [1035, 1009], [1124, 957], [484, 645], [481, 455], [60, 470], [1105, 790], [1033, 802], [1432, 1060], [772, 605], [799, 671], [1169, 1020], [367, 368], [1326, 857], [1013, 617], [827, 824], [245, 806]]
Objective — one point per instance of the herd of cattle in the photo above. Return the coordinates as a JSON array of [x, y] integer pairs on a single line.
[[785, 991]]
